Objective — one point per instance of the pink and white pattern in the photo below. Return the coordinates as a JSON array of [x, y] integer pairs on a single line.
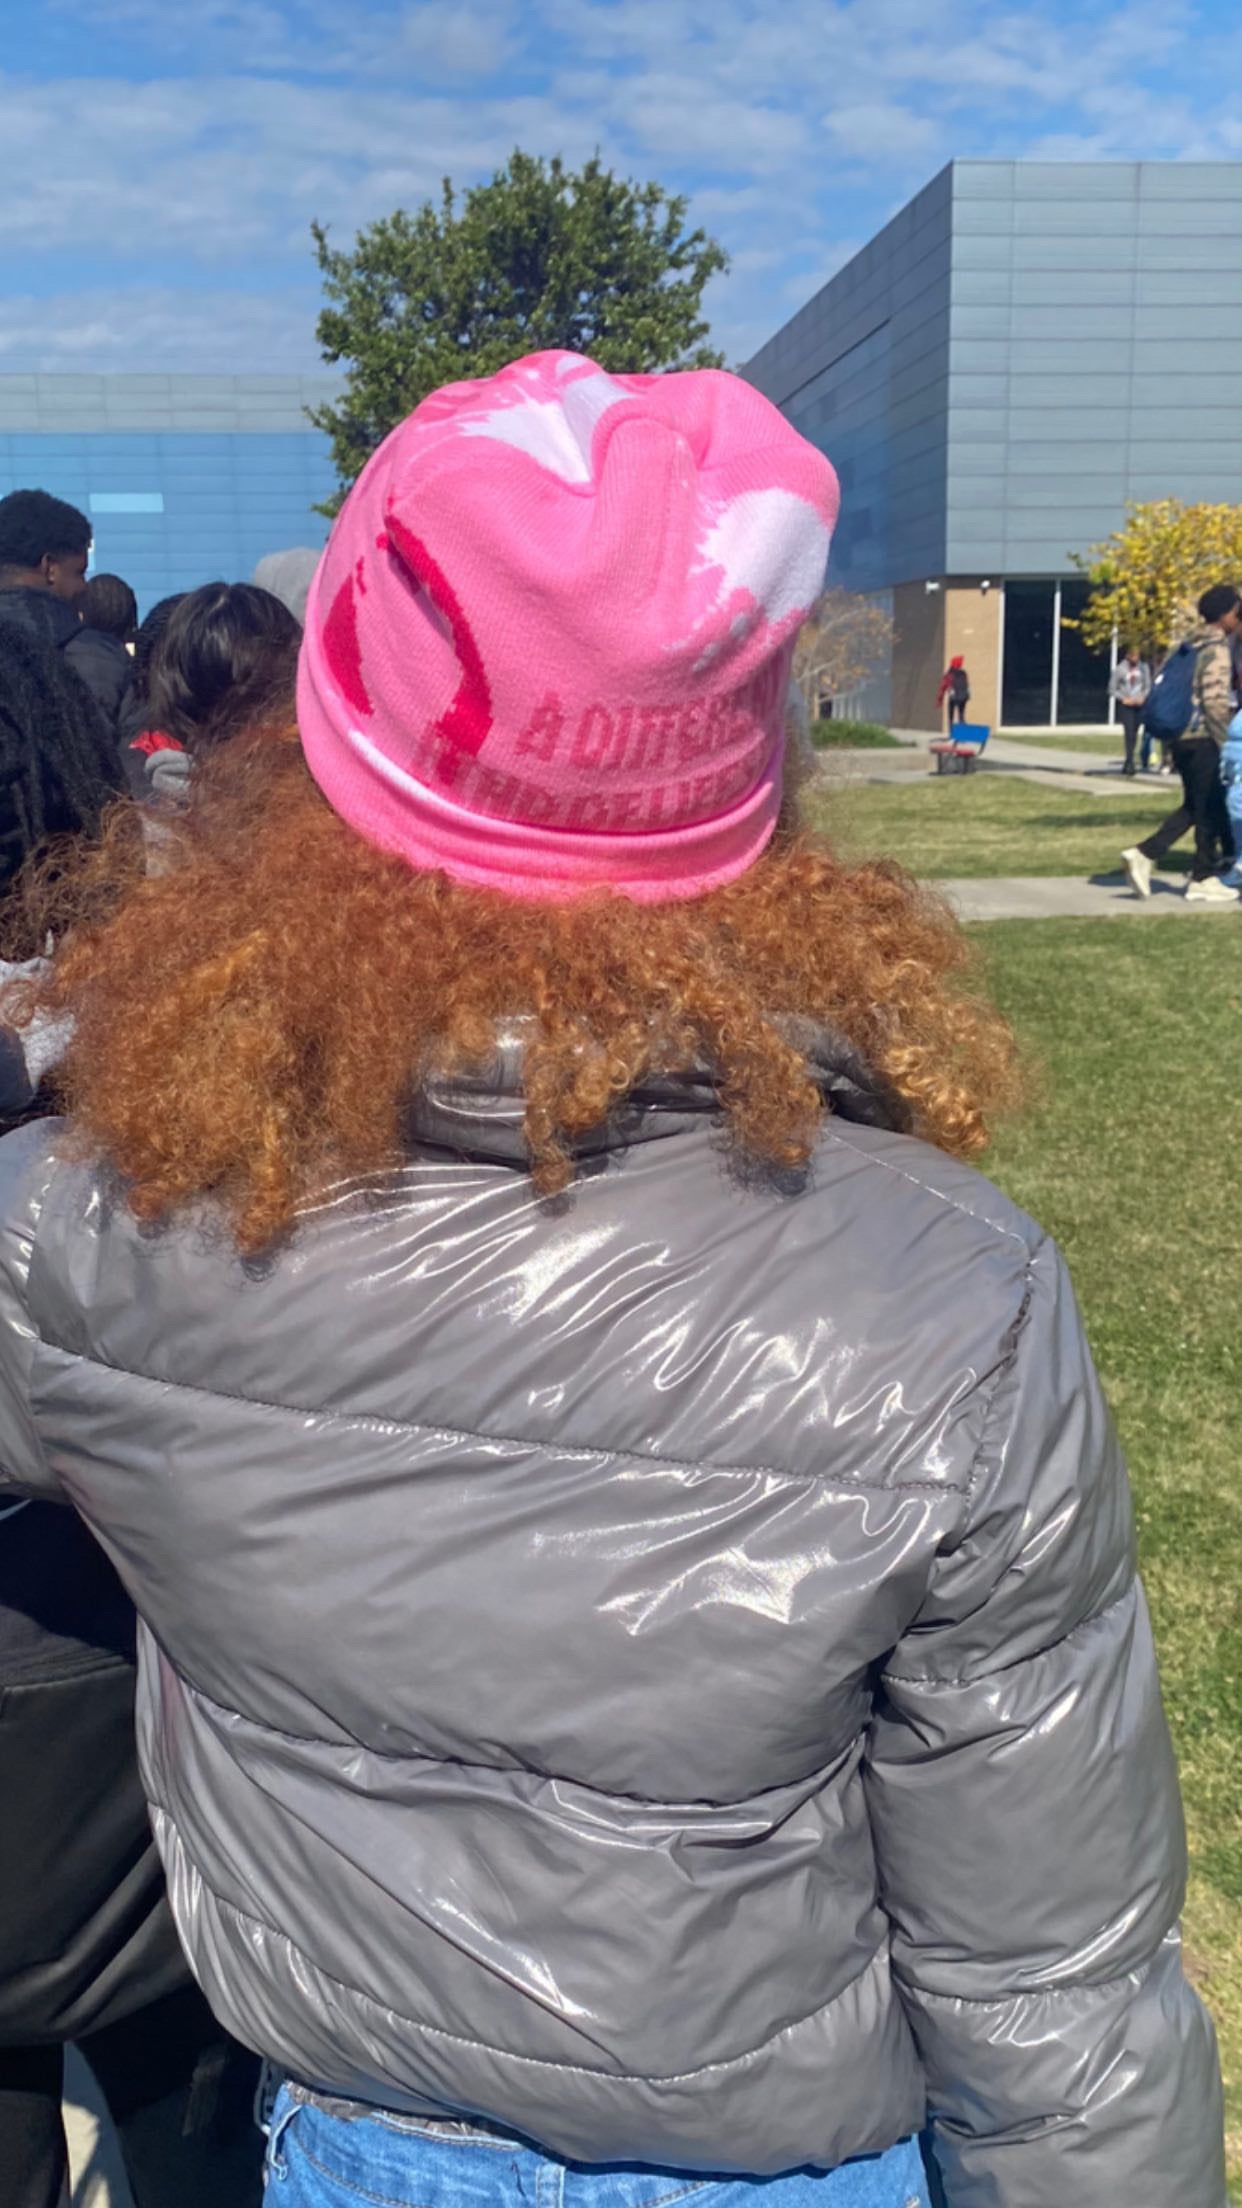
[[547, 648]]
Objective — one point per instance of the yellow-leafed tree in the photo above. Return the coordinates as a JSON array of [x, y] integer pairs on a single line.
[[1145, 579]]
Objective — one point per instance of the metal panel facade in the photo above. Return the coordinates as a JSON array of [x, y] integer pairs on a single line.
[[1024, 349], [185, 478], [1114, 306], [863, 370]]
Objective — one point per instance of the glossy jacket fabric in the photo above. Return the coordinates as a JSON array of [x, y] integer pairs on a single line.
[[662, 1670]]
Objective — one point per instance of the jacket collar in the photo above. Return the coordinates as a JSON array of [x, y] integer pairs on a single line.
[[481, 1114]]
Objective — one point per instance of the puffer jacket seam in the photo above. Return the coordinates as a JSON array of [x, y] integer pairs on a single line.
[[507, 2054], [1142, 1968], [367, 1422], [1005, 1365], [998, 1671], [837, 1131], [350, 1744], [35, 1193]]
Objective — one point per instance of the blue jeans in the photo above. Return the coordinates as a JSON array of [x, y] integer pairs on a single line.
[[319, 2160]]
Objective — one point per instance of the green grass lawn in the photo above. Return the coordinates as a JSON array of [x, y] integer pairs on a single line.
[[837, 735], [958, 825], [1126, 1156], [1132, 1023]]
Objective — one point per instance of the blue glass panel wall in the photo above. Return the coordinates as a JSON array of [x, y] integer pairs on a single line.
[[175, 508]]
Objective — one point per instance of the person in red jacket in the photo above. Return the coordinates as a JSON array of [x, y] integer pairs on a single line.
[[955, 687]]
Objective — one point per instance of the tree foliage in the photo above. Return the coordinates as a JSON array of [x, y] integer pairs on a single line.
[[1146, 578], [841, 645], [541, 257]]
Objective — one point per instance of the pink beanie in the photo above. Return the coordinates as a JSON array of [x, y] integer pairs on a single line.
[[548, 646]]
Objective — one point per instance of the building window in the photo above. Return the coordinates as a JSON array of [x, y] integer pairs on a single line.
[[1082, 693], [1041, 652], [127, 502], [1027, 695]]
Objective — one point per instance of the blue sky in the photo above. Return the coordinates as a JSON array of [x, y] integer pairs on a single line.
[[163, 158]]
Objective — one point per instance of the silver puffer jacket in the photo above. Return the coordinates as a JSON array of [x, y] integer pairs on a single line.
[[661, 1669]]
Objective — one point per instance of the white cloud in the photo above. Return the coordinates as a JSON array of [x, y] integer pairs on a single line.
[[205, 158], [146, 328], [459, 41], [880, 131], [658, 113]]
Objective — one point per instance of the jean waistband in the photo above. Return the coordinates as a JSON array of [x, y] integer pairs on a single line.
[[446, 2125]]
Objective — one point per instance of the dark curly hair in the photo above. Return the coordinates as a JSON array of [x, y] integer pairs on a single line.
[[33, 523], [108, 604], [58, 766]]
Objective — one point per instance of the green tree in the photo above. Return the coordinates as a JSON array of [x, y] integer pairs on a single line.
[[541, 257], [1145, 579]]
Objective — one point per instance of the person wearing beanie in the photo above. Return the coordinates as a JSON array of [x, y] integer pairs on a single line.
[[1197, 758], [644, 1687]]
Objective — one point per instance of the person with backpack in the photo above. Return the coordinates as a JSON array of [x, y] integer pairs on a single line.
[[645, 1690], [955, 687], [1191, 704]]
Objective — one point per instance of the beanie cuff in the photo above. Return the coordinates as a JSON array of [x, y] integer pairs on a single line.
[[391, 809]]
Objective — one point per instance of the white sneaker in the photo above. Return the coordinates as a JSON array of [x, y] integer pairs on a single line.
[[1211, 892], [1139, 870]]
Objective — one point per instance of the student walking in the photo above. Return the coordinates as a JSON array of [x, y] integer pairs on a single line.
[[955, 689], [1130, 685], [1197, 757], [643, 1681]]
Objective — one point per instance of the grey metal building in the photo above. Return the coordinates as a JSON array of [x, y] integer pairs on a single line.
[[184, 477], [1021, 352]]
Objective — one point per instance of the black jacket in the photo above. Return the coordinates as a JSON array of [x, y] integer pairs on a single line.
[[101, 663], [104, 665]]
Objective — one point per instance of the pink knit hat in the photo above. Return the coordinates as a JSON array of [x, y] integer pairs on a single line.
[[548, 647]]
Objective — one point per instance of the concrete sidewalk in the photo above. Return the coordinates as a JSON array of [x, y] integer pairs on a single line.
[[1068, 897], [1084, 772]]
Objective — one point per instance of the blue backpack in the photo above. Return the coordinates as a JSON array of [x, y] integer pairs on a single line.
[[1171, 700]]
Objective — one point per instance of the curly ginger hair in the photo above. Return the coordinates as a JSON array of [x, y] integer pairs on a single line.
[[252, 1022]]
